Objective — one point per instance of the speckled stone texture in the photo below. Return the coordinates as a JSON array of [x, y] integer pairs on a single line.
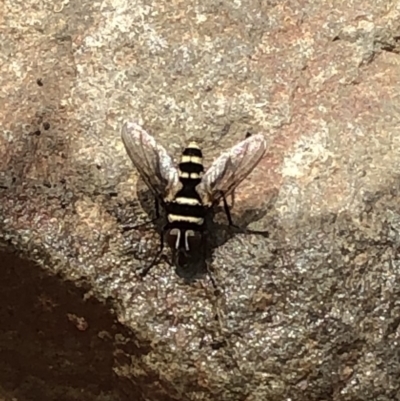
[[312, 312]]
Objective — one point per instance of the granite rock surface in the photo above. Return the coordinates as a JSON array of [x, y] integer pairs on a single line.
[[310, 313]]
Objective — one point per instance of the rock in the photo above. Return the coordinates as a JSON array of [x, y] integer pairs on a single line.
[[308, 314]]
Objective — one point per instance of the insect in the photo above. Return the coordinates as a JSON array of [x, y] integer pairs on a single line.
[[185, 192]]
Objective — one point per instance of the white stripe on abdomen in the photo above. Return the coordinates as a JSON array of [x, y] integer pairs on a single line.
[[187, 201], [188, 219]]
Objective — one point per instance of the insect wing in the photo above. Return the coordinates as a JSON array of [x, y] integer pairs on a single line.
[[231, 168], [151, 159]]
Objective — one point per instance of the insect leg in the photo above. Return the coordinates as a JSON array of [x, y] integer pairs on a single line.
[[212, 279], [128, 227], [207, 258], [209, 270], [156, 259], [232, 199], [227, 211], [243, 230]]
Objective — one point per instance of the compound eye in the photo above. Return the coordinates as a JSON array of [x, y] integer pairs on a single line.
[[193, 240], [173, 238]]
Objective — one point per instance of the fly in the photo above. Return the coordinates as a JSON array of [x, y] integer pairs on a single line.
[[185, 192]]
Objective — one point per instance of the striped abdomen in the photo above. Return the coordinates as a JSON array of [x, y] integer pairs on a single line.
[[191, 165], [186, 211]]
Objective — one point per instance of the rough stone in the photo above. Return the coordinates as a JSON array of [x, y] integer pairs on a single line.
[[311, 313]]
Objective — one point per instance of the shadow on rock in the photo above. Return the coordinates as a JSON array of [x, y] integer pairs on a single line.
[[54, 344]]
